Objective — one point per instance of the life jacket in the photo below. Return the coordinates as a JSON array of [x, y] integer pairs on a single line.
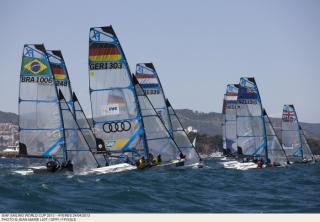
[[155, 162], [142, 164]]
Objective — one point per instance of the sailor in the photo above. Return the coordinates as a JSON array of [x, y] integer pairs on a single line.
[[141, 163], [260, 163], [157, 160], [52, 165], [150, 159], [181, 156]]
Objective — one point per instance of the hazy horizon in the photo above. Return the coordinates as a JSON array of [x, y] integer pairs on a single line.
[[196, 47]]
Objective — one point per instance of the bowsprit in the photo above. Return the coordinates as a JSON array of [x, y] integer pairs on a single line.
[[119, 126]]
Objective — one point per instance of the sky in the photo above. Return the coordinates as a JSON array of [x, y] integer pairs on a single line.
[[197, 47]]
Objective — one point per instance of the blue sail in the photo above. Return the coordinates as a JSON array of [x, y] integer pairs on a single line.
[[251, 132], [115, 110]]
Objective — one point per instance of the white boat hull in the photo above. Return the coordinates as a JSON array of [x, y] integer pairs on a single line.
[[239, 166], [113, 168]]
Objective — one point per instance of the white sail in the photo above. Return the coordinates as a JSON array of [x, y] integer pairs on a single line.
[[181, 138], [230, 118], [115, 109], [251, 133], [276, 154], [159, 140], [40, 122], [293, 139], [78, 148]]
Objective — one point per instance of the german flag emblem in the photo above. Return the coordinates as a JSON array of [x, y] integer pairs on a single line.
[[36, 67]]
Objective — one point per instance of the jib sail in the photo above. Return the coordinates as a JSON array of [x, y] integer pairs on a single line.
[[230, 117], [158, 137], [149, 81], [40, 122], [115, 111], [181, 138], [251, 135], [276, 153], [96, 145], [78, 148]]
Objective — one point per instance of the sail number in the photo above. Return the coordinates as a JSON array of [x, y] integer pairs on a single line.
[[105, 65]]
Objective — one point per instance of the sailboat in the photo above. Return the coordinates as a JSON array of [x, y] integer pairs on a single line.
[[115, 110], [229, 124], [119, 105], [158, 138], [293, 138], [256, 138], [149, 81], [41, 133], [47, 127]]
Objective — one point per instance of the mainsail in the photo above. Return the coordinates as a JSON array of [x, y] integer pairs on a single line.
[[251, 132], [230, 118], [40, 119], [158, 138], [223, 126], [181, 138], [115, 109], [61, 76], [149, 81], [276, 153], [78, 148], [293, 139]]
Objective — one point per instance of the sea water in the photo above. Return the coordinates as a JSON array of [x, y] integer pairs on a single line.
[[211, 189]]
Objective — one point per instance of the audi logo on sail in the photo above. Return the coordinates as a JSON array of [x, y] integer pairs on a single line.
[[113, 127]]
